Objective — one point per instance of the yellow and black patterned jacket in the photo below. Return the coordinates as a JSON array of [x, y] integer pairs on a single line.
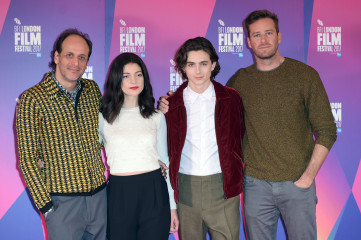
[[51, 129]]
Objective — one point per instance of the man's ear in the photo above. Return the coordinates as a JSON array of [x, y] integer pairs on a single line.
[[214, 65], [249, 43], [279, 35], [56, 57]]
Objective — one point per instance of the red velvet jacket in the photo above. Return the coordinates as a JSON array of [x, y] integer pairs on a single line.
[[229, 126]]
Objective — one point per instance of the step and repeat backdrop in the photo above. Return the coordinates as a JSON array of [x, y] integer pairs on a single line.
[[322, 33]]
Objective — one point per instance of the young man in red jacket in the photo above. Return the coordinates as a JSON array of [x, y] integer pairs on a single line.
[[205, 130]]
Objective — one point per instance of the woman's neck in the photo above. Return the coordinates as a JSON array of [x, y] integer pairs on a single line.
[[130, 102]]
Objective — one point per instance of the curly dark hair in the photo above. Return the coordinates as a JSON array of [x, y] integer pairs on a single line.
[[113, 98], [260, 14], [196, 44], [59, 42]]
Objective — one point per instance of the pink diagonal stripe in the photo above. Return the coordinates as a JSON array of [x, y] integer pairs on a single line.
[[356, 189], [4, 6]]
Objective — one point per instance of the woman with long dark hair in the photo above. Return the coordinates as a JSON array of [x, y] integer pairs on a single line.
[[134, 134]]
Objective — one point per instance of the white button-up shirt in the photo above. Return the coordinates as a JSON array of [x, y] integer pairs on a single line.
[[200, 152]]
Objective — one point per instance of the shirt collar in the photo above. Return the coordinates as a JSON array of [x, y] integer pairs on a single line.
[[208, 94], [71, 95]]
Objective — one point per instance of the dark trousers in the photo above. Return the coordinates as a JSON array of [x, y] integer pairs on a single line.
[[138, 207]]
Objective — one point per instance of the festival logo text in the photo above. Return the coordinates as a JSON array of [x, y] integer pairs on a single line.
[[27, 39], [175, 79], [336, 108], [132, 39], [88, 74], [230, 39], [328, 39]]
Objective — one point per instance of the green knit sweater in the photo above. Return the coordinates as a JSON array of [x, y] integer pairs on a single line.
[[284, 109]]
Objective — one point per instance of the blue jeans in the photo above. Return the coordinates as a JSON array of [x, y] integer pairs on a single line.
[[264, 201]]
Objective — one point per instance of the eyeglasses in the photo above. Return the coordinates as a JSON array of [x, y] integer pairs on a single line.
[[81, 58]]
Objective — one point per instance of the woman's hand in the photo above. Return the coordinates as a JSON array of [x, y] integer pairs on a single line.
[[174, 222], [163, 167]]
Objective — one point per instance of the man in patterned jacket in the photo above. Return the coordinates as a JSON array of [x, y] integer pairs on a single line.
[[59, 151]]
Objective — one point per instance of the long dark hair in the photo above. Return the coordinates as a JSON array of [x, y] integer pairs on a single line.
[[113, 98]]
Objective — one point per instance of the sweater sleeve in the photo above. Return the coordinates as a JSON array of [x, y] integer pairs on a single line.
[[27, 129], [163, 153], [319, 111], [101, 130]]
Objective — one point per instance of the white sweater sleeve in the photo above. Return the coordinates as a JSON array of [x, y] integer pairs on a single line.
[[162, 148], [101, 128]]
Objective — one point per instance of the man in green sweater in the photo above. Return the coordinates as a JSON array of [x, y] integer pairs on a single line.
[[285, 105]]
